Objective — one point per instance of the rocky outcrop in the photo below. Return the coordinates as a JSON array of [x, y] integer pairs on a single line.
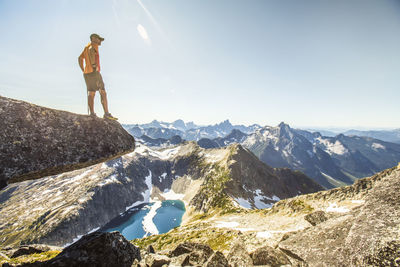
[[316, 217], [238, 255], [96, 249], [269, 256], [38, 141], [364, 236]]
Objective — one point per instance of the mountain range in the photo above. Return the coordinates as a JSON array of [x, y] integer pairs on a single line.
[[188, 131], [330, 161], [392, 136]]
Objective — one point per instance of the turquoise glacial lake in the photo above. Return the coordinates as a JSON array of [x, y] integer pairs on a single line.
[[148, 219]]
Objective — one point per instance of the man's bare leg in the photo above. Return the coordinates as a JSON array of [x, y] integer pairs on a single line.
[[91, 101], [104, 102]]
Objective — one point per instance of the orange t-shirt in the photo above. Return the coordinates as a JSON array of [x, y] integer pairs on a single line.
[[90, 55]]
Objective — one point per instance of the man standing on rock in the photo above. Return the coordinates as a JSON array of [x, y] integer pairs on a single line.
[[91, 73]]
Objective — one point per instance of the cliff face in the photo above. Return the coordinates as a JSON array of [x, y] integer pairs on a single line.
[[38, 141]]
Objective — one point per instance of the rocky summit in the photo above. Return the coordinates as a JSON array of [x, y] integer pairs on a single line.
[[38, 141]]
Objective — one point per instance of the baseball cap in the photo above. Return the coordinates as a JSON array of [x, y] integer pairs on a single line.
[[96, 35]]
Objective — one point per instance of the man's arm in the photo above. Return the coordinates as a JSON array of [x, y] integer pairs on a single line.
[[80, 62]]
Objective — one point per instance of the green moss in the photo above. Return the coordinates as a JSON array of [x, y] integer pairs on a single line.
[[44, 256], [217, 239]]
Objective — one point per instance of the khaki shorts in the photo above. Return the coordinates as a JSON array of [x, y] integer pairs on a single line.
[[94, 81]]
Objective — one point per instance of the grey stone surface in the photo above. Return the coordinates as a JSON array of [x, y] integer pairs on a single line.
[[316, 217], [365, 236], [269, 256], [38, 141], [96, 249], [154, 260], [197, 253], [238, 255], [217, 260]]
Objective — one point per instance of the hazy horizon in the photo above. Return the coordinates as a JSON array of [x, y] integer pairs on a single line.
[[337, 129], [330, 64]]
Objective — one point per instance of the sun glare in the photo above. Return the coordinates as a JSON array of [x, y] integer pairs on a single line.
[[142, 32]]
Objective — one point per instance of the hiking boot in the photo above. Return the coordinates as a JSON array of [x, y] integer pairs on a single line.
[[93, 115], [109, 116]]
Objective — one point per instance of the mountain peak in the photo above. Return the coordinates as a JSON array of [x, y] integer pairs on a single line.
[[225, 123], [283, 125]]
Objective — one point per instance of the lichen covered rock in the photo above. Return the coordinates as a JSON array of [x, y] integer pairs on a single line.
[[38, 141], [96, 249]]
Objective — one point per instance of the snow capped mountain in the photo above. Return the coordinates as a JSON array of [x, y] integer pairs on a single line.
[[283, 146], [331, 161], [159, 142], [236, 136], [188, 131]]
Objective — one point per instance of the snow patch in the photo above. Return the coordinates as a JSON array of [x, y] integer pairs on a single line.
[[269, 234], [333, 148], [377, 146], [243, 203], [258, 200], [148, 225], [162, 176], [333, 207], [109, 180], [222, 224], [169, 194], [79, 237], [163, 155]]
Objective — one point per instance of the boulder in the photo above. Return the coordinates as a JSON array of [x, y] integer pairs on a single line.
[[38, 141], [96, 249], [316, 217], [269, 256], [197, 253], [154, 260], [150, 249], [238, 256], [217, 260], [181, 260]]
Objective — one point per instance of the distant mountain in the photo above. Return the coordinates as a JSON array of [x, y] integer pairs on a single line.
[[392, 136], [188, 131], [360, 156], [160, 142], [152, 132], [283, 146], [331, 161], [323, 132], [236, 136]]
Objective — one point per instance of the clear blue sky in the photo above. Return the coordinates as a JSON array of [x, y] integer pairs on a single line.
[[308, 63]]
